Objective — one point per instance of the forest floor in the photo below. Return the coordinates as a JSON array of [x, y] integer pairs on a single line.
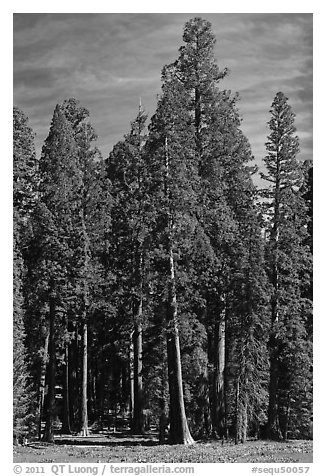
[[124, 447]]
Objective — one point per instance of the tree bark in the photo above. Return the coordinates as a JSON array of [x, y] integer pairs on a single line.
[[84, 415], [51, 406], [138, 419], [287, 417], [241, 427], [131, 379], [42, 384], [218, 394], [66, 412], [179, 431], [272, 427], [237, 413], [74, 382], [85, 303]]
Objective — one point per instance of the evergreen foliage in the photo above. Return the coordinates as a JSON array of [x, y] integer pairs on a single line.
[[24, 196], [22, 395], [153, 288], [289, 269]]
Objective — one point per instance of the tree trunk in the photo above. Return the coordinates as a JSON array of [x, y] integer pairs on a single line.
[[245, 403], [218, 395], [131, 379], [74, 382], [287, 417], [138, 420], [179, 431], [42, 384], [241, 427], [66, 412], [100, 395], [84, 414], [164, 418], [51, 406], [163, 423], [237, 413], [85, 304], [272, 427]]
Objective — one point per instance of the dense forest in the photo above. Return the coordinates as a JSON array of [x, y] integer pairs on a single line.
[[159, 288]]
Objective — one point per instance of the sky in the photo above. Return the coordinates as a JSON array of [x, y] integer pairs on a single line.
[[109, 60]]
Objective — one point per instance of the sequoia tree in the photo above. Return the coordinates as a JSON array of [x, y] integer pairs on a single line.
[[126, 171], [289, 262], [88, 204], [172, 172], [25, 183], [224, 192], [52, 221]]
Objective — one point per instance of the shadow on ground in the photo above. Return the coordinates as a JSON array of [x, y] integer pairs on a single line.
[[121, 438]]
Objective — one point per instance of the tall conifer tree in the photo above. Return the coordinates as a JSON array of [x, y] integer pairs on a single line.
[[126, 170], [173, 180], [289, 263], [87, 196], [25, 178], [54, 219]]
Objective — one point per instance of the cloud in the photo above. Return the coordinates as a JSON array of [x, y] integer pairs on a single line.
[[108, 60]]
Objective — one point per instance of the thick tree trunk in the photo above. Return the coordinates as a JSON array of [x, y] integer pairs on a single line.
[[179, 431], [42, 384], [51, 406], [218, 390], [285, 425], [272, 427], [66, 412]]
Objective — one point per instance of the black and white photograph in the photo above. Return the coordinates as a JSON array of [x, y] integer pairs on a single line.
[[162, 238]]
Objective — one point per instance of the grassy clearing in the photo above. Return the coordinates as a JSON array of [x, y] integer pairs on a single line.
[[132, 449]]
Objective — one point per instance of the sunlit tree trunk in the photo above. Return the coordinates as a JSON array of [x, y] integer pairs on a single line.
[[179, 431], [85, 303]]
